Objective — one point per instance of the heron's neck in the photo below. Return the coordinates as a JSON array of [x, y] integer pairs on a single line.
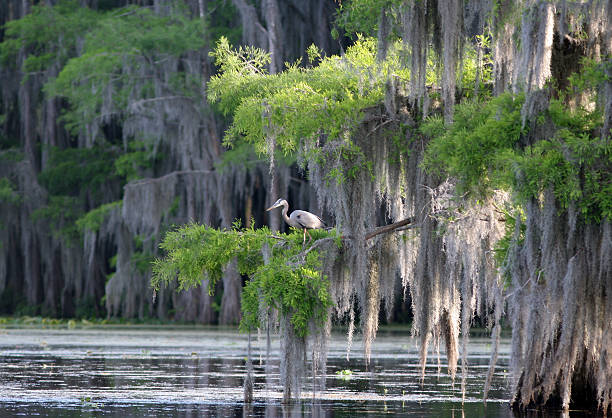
[[285, 210]]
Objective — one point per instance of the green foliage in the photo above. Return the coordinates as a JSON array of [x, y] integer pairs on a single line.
[[574, 162], [86, 308], [512, 238], [482, 150], [474, 148], [74, 171], [298, 104], [11, 155], [353, 154], [48, 35], [470, 82], [7, 141], [8, 193], [60, 214], [116, 52], [315, 55], [290, 280], [361, 16], [71, 176], [243, 156], [92, 220], [221, 21], [103, 60], [244, 61], [592, 75], [141, 261], [131, 164], [299, 291], [141, 258]]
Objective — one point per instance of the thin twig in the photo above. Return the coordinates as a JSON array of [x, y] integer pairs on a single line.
[[519, 289], [316, 244]]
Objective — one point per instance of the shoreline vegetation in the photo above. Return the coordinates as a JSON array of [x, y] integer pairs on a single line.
[[25, 321]]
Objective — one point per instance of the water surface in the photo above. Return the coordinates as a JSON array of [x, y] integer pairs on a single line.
[[189, 371]]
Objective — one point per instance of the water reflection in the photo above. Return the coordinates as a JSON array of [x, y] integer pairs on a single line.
[[199, 372]]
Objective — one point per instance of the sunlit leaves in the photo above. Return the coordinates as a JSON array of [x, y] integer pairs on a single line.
[[472, 148], [297, 105], [577, 166], [482, 149], [288, 279], [243, 61], [299, 291]]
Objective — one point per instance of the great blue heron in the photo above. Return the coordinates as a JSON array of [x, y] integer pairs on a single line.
[[299, 218]]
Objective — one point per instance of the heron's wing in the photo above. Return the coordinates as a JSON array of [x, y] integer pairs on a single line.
[[306, 219], [323, 224]]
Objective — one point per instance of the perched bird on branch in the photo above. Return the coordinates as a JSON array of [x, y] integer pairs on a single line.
[[299, 218]]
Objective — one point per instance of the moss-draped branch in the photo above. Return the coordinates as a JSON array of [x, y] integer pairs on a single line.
[[282, 274]]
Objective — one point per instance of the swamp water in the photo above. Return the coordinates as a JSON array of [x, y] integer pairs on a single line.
[[182, 371]]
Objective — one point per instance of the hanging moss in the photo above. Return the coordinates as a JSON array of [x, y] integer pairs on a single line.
[[523, 143], [552, 154], [536, 159]]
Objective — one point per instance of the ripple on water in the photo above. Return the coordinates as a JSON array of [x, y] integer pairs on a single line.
[[180, 372]]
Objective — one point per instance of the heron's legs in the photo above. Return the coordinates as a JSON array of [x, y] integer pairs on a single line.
[[309, 238]]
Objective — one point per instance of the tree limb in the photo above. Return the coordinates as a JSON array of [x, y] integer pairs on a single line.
[[402, 225], [389, 228], [167, 176]]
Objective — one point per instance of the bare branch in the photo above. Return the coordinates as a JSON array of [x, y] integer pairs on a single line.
[[398, 226], [166, 177], [388, 228]]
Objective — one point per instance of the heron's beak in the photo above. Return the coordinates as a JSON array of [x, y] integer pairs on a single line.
[[270, 208]]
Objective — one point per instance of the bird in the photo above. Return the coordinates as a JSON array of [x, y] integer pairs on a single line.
[[299, 218]]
